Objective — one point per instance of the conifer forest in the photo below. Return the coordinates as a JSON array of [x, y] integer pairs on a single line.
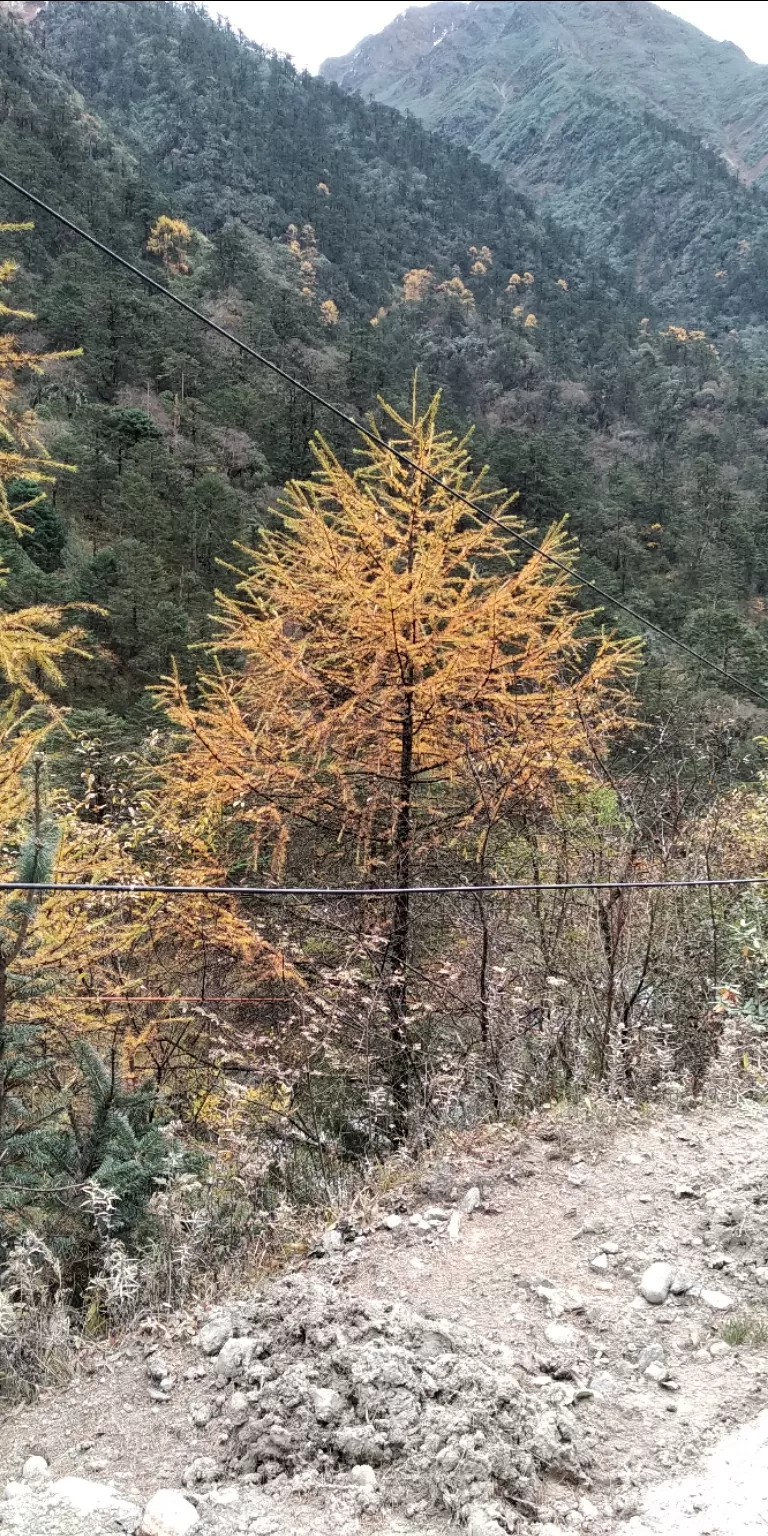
[[395, 782]]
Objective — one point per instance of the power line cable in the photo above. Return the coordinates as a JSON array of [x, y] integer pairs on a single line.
[[332, 892], [373, 437]]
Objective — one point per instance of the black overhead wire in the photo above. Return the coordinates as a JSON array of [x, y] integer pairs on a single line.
[[373, 437], [332, 892]]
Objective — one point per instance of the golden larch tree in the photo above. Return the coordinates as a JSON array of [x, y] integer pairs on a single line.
[[388, 679], [170, 239]]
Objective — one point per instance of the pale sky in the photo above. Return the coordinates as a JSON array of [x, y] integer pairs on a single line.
[[313, 30]]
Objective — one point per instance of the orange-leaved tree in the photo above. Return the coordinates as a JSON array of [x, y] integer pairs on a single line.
[[82, 971], [170, 239], [390, 682]]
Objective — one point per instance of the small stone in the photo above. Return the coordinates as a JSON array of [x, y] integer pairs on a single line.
[[651, 1352], [717, 1300], [656, 1371], [224, 1496], [168, 1513], [214, 1334], [237, 1408], [561, 1335], [364, 1476], [393, 1223], [35, 1470], [158, 1368], [588, 1510], [201, 1414], [656, 1282], [719, 1348], [471, 1200], [482, 1522], [86, 1498], [599, 1262], [327, 1403], [454, 1226], [681, 1283], [686, 1192], [332, 1240], [202, 1470], [234, 1357], [554, 1299]]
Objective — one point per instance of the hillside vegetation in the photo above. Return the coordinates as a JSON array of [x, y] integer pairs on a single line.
[[625, 121], [237, 653], [650, 440]]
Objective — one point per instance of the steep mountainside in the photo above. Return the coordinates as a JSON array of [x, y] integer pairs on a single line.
[[623, 118], [353, 245]]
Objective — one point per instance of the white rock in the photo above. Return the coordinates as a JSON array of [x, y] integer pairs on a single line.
[[554, 1299], [363, 1475], [719, 1348], [562, 1335], [214, 1334], [482, 1523], [717, 1300], [35, 1470], [393, 1222], [656, 1371], [237, 1408], [599, 1262], [589, 1510], [327, 1403], [454, 1226], [332, 1240], [224, 1496], [168, 1513], [656, 1282], [85, 1497], [471, 1200]]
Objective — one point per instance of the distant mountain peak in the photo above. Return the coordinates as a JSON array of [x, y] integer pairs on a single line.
[[614, 112]]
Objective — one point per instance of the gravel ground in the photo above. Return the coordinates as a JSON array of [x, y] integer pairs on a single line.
[[506, 1275]]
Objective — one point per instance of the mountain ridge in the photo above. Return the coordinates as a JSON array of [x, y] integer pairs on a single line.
[[623, 120], [638, 26]]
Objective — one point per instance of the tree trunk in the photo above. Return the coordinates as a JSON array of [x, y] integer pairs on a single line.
[[490, 1054], [401, 1054]]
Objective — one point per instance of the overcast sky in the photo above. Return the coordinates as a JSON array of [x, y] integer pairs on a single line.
[[313, 30]]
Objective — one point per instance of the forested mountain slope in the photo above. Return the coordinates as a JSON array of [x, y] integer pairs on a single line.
[[354, 246], [626, 120], [221, 996]]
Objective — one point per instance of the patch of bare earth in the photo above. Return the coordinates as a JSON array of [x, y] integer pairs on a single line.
[[533, 1242]]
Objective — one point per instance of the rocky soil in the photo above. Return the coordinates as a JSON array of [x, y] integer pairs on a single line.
[[542, 1331]]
